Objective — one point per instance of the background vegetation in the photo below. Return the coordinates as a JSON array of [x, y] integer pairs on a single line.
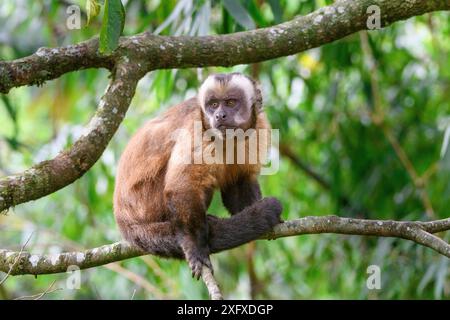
[[362, 124]]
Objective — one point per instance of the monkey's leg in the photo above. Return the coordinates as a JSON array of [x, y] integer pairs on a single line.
[[167, 240], [245, 226], [189, 217], [159, 238], [240, 195]]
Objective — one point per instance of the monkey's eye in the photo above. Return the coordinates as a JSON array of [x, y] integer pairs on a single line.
[[231, 103], [213, 104]]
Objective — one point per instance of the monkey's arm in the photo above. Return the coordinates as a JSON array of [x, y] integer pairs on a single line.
[[242, 194]]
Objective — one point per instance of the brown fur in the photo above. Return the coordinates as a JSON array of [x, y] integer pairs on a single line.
[[160, 204]]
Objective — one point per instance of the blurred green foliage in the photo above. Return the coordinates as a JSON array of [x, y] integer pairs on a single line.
[[323, 103]]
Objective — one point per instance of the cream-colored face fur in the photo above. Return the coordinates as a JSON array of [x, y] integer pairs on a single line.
[[224, 87]]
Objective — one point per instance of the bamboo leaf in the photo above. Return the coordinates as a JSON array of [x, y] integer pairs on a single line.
[[112, 26], [238, 12], [276, 10]]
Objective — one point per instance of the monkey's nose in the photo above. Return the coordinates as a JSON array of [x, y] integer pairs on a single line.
[[220, 116]]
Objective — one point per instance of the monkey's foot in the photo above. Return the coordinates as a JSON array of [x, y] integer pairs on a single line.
[[196, 262], [271, 210]]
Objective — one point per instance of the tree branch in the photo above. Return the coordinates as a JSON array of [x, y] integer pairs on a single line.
[[20, 263], [50, 176], [211, 284], [151, 52], [419, 232], [142, 53], [51, 63]]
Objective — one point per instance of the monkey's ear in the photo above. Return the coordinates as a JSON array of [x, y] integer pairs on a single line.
[[258, 101]]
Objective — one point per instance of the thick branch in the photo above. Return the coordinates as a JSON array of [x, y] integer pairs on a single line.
[[48, 64], [419, 232], [50, 176], [323, 26], [146, 52]]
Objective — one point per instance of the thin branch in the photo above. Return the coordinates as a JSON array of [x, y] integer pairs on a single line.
[[16, 260], [343, 200], [40, 295], [139, 280], [156, 269], [211, 284], [286, 151]]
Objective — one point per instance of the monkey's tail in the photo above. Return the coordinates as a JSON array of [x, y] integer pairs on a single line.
[[245, 226], [163, 238]]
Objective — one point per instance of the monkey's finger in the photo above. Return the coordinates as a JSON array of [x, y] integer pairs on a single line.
[[196, 271]]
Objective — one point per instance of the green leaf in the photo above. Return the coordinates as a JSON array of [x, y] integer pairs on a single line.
[[255, 12], [276, 10], [92, 10], [446, 141], [445, 152], [238, 12], [9, 108], [112, 26]]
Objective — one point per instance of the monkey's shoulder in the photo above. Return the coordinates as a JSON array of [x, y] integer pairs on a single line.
[[160, 129], [182, 113]]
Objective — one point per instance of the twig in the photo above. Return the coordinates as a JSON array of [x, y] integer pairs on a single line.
[[40, 295], [134, 293], [343, 200], [211, 284], [140, 281], [156, 269], [17, 259]]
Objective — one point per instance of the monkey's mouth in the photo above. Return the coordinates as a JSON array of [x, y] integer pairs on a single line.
[[223, 127]]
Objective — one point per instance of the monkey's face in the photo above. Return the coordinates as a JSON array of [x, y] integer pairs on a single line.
[[227, 109], [227, 101]]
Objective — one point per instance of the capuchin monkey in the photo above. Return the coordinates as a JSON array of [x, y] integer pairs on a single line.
[[161, 200]]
